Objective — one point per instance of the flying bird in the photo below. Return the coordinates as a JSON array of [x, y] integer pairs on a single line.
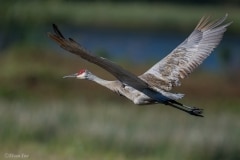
[[155, 84]]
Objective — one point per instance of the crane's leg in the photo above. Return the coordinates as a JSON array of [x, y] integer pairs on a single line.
[[191, 110], [156, 96]]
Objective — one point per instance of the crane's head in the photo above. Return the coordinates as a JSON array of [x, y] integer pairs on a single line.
[[81, 74]]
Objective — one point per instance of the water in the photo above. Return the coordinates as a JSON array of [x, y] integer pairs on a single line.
[[135, 46], [142, 47]]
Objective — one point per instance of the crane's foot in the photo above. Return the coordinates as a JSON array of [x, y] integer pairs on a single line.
[[196, 112]]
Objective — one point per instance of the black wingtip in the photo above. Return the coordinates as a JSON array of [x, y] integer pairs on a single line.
[[70, 39], [57, 31], [73, 41]]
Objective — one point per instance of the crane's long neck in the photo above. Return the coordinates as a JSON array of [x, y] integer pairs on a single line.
[[102, 82]]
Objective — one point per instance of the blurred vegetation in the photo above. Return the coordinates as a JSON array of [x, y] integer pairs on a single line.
[[115, 15], [198, 2], [109, 130], [47, 117]]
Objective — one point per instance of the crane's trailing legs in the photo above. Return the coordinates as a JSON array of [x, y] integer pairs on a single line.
[[159, 98], [191, 110]]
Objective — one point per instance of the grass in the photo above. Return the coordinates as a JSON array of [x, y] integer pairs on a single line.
[[107, 130]]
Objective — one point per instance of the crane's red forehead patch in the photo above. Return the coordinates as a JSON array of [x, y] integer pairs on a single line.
[[81, 71]]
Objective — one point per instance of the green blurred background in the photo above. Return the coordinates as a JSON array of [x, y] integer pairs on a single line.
[[43, 116]]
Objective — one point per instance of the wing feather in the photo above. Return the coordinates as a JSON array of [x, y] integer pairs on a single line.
[[187, 56], [121, 74]]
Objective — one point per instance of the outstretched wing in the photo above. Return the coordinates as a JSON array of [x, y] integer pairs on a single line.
[[187, 56], [122, 75]]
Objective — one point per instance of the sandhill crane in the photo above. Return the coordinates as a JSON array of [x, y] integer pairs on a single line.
[[154, 85]]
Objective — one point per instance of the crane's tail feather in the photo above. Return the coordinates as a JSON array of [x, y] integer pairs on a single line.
[[191, 110]]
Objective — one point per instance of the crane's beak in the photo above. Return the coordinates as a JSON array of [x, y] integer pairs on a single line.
[[71, 76]]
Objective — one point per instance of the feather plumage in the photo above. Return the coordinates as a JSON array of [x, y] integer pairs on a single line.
[[187, 56]]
